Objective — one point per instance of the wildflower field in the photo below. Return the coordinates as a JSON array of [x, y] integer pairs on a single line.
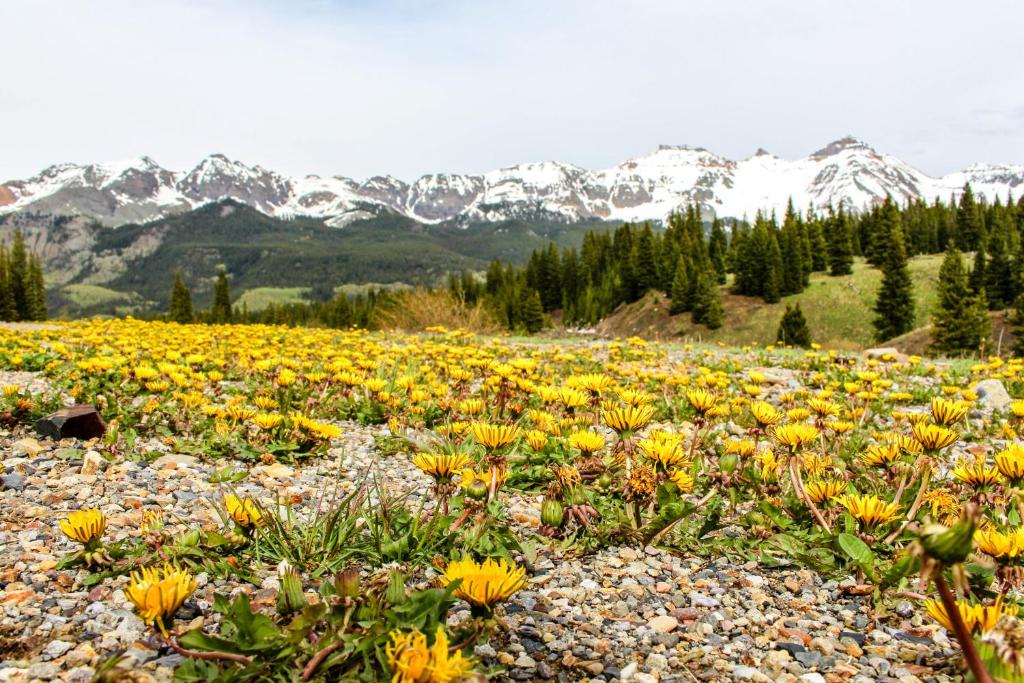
[[281, 504]]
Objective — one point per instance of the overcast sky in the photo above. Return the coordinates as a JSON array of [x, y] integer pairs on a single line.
[[410, 87]]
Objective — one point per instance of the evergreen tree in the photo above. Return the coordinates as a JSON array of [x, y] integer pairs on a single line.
[[531, 311], [773, 273], [840, 251], [894, 308], [968, 221], [792, 247], [960, 321], [680, 288], [8, 311], [35, 289], [1000, 279], [819, 246], [646, 268], [221, 311], [793, 329], [979, 273], [18, 270], [707, 307], [717, 248], [181, 302]]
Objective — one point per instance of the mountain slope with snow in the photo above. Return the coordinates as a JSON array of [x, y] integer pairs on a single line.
[[646, 188]]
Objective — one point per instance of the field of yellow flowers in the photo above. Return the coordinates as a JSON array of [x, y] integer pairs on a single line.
[[287, 504]]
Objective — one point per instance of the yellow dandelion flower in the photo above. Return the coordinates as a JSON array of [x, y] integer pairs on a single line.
[[820, 490], [701, 400], [666, 453], [682, 479], [484, 584], [628, 419], [977, 475], [1000, 545], [244, 512], [977, 618], [934, 437], [795, 435], [1010, 463], [85, 526], [946, 412], [441, 466], [494, 437], [158, 593], [764, 413], [586, 441], [869, 510]]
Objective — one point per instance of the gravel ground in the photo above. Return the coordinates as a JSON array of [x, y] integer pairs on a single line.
[[623, 613]]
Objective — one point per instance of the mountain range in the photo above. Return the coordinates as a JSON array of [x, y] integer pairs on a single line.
[[645, 188]]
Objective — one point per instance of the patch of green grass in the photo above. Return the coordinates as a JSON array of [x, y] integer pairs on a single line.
[[258, 298], [839, 310], [93, 295]]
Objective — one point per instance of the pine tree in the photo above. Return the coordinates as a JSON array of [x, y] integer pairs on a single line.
[[680, 288], [35, 289], [531, 311], [18, 270], [979, 273], [645, 267], [840, 251], [968, 221], [221, 311], [1000, 280], [8, 311], [819, 246], [181, 302], [894, 308], [717, 248], [960, 321], [707, 307], [773, 273], [793, 329], [792, 255]]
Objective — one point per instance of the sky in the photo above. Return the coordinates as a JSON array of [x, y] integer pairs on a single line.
[[406, 87]]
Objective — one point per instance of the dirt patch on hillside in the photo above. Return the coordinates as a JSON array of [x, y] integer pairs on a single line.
[[1000, 340], [6, 196], [648, 318]]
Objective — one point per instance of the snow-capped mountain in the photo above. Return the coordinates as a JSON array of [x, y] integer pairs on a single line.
[[649, 187]]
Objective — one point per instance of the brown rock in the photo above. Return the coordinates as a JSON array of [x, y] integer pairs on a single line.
[[76, 422]]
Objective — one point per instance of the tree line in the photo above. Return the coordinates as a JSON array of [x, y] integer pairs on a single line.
[[691, 258], [22, 287], [337, 310]]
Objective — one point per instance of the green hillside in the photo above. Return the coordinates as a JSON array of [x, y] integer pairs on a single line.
[[272, 260], [838, 310]]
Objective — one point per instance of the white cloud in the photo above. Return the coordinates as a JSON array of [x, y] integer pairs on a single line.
[[360, 88]]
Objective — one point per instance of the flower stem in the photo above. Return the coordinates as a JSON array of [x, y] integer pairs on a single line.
[[981, 674]]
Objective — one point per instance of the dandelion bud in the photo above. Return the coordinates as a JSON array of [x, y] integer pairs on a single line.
[[395, 594], [290, 597], [951, 545], [551, 513]]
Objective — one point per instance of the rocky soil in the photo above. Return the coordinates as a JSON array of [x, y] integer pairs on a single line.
[[623, 613]]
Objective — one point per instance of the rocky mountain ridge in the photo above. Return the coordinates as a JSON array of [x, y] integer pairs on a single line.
[[645, 188]]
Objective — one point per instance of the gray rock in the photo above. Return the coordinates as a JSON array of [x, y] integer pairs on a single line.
[[992, 394]]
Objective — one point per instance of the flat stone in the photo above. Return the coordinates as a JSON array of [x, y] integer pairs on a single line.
[[664, 624], [278, 471]]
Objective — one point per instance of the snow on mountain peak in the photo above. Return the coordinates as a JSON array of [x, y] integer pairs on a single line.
[[648, 187]]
